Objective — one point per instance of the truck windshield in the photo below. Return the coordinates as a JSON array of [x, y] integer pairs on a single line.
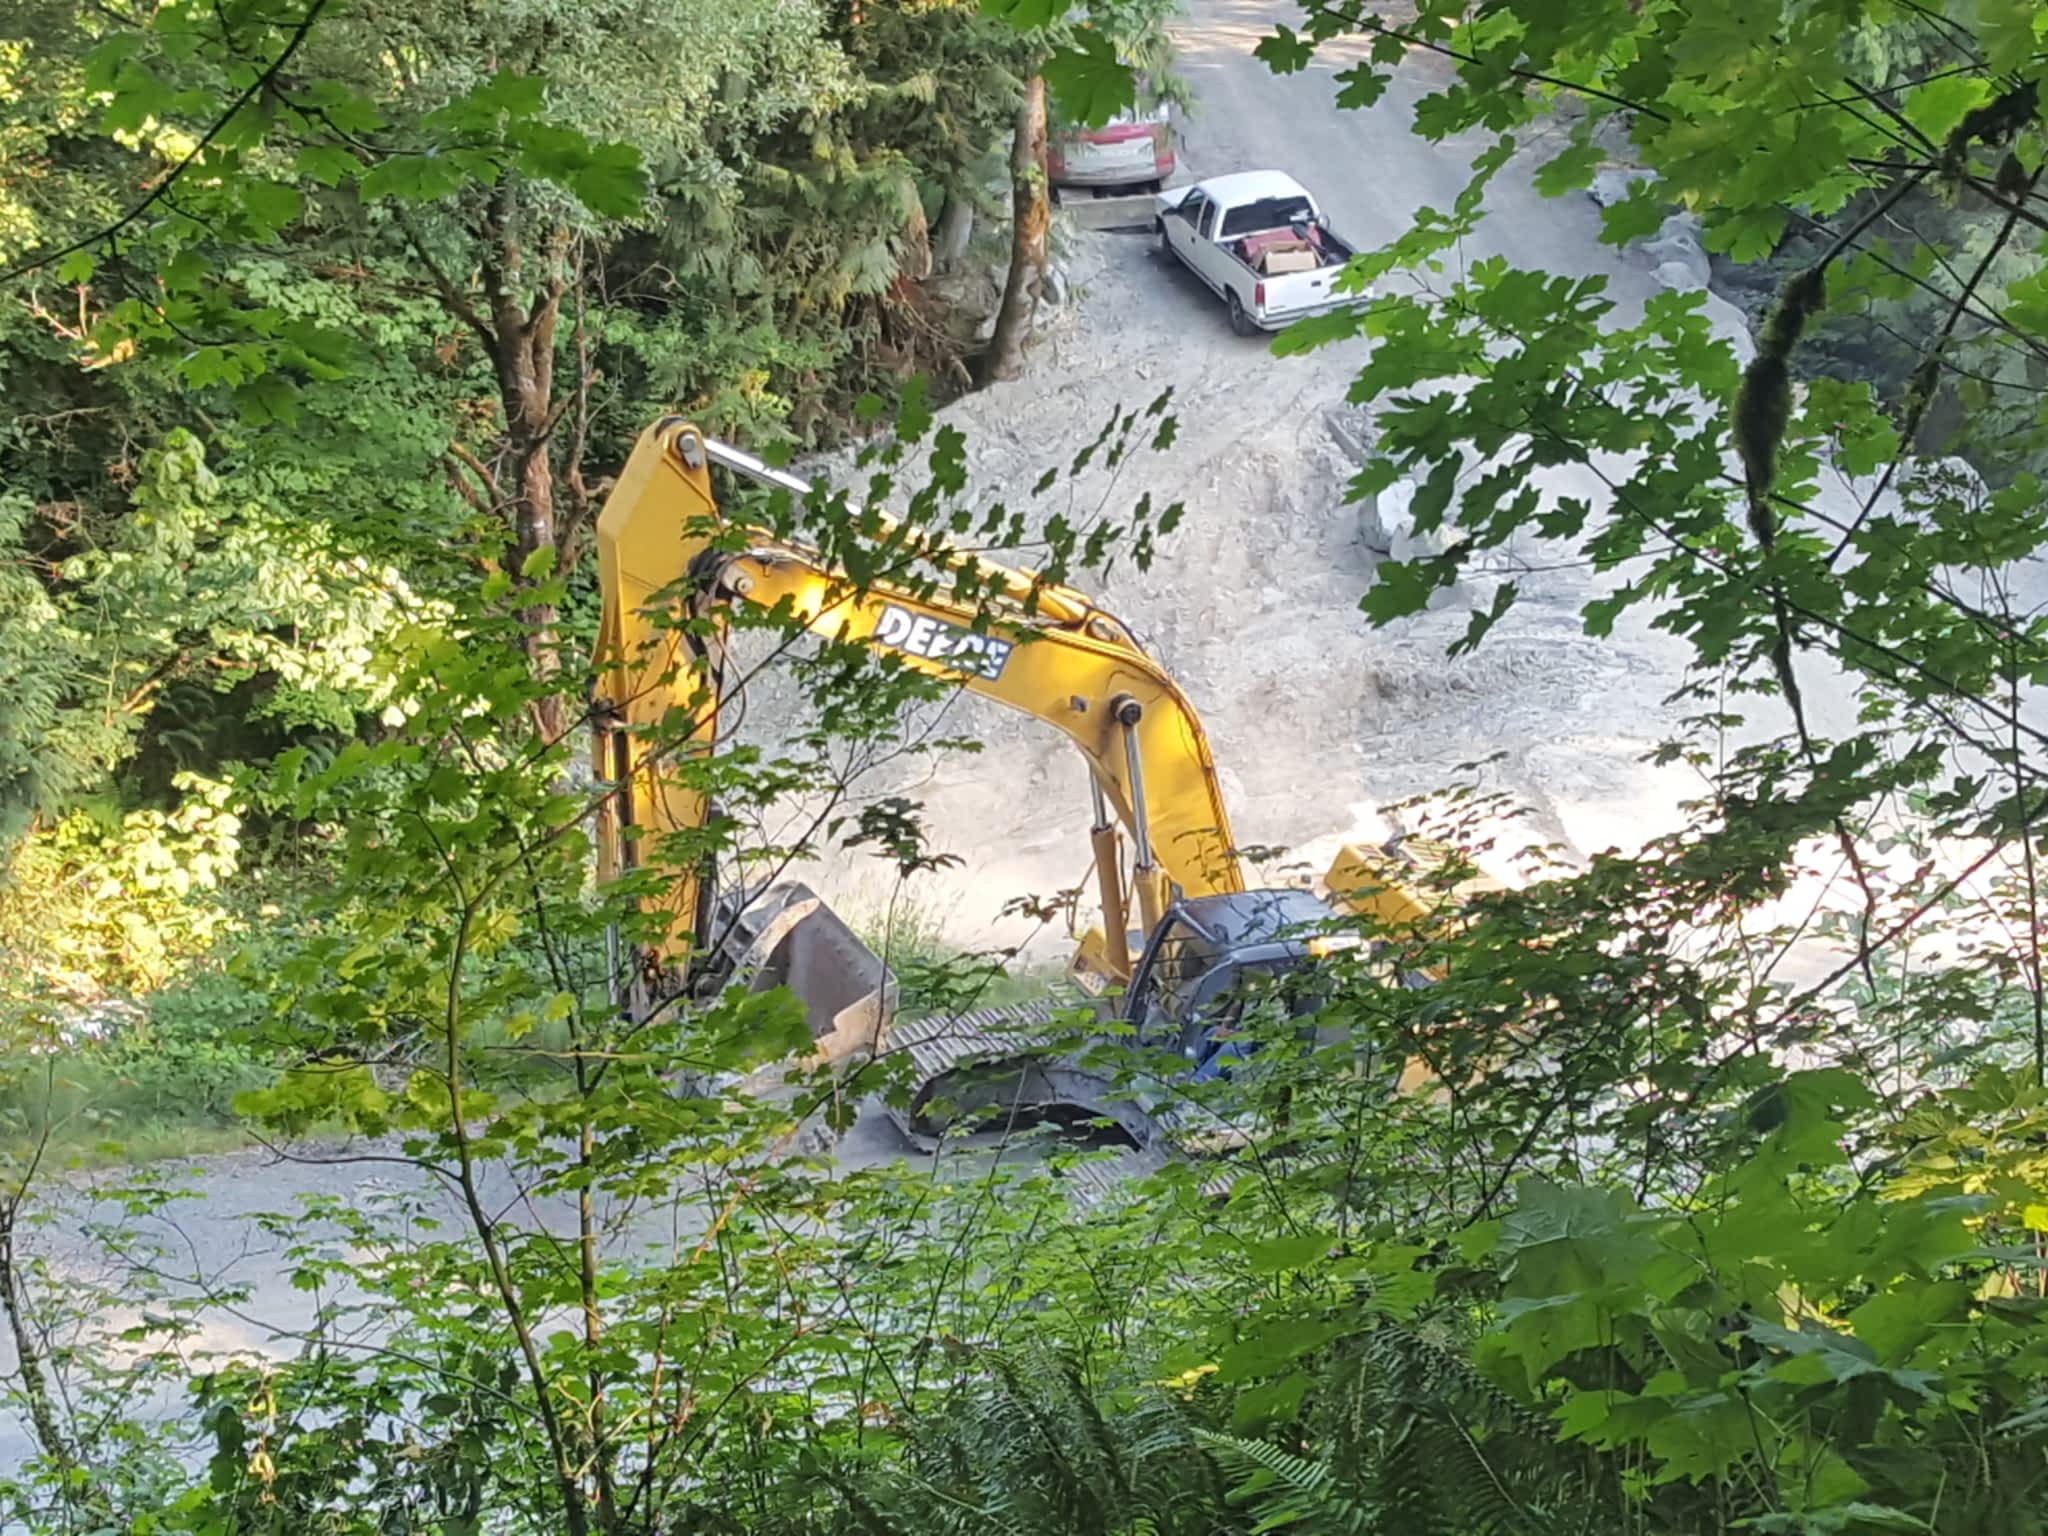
[[1267, 213]]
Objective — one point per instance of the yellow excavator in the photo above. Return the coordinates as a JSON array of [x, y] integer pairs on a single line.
[[1181, 930]]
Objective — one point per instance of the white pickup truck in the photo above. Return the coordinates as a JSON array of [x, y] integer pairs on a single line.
[[1260, 241]]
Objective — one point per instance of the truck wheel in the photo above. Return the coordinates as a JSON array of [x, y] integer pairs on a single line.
[[1240, 322]]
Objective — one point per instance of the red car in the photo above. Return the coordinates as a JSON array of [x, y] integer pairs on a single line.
[[1132, 149]]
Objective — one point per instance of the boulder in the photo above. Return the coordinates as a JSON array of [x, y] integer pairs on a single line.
[[1350, 428], [1381, 514], [1612, 184], [1393, 533], [1057, 289], [956, 230], [1729, 320], [1372, 533], [1677, 244], [1933, 485]]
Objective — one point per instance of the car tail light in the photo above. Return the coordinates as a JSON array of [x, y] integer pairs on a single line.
[[1258, 295]]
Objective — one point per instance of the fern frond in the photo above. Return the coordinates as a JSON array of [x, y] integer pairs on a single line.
[[1285, 1489]]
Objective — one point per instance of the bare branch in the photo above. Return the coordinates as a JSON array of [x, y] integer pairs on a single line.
[[1924, 395]]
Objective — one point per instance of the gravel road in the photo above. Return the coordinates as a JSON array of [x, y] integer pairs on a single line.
[[212, 1241]]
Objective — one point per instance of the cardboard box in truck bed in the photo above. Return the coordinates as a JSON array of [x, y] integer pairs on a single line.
[[1278, 259]]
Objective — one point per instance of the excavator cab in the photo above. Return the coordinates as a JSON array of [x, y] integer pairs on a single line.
[[1210, 958]]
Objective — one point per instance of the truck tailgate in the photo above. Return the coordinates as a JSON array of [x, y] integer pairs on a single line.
[[1290, 292]]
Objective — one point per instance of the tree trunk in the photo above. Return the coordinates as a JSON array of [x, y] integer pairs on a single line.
[[516, 316], [521, 336], [1030, 218], [81, 1487], [536, 531]]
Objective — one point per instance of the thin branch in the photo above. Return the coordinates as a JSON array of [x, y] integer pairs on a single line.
[[1843, 634], [1884, 205], [452, 298], [477, 466], [574, 1508], [1917, 411], [1990, 191], [163, 187], [1380, 28], [1964, 39]]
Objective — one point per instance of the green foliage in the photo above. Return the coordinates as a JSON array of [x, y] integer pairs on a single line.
[[1719, 1200], [135, 1007], [1027, 1443], [161, 1084], [90, 907], [188, 591], [937, 977], [1089, 82]]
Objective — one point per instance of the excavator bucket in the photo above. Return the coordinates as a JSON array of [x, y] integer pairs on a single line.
[[789, 937]]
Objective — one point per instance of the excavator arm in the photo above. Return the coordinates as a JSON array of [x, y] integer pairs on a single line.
[[671, 570]]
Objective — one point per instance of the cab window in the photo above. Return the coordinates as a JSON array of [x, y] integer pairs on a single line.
[[1266, 213], [1179, 959], [1268, 990]]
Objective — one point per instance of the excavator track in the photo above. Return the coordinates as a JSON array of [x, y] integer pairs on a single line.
[[938, 1043], [1009, 1050], [989, 1069], [999, 1066], [1004, 1067]]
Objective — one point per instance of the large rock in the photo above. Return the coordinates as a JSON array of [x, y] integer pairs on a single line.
[[1730, 321], [1372, 533], [1935, 487], [1388, 528], [955, 232], [1387, 516], [1612, 184], [1350, 428], [1676, 247], [1055, 297]]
